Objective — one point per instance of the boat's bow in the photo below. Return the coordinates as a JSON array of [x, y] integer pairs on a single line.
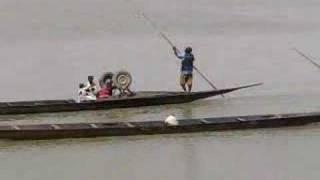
[[223, 91], [206, 94]]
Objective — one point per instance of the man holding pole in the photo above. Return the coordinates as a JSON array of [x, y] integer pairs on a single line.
[[186, 70], [186, 67]]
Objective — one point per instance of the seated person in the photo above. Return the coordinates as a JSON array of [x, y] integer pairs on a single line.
[[106, 90], [84, 94], [91, 86]]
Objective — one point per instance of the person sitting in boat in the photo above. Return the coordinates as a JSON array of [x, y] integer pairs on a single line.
[[106, 90], [91, 86], [186, 67], [84, 94]]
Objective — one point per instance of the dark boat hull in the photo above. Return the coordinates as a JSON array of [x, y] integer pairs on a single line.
[[140, 99], [87, 130]]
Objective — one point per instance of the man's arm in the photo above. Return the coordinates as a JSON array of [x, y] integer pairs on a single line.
[[177, 53]]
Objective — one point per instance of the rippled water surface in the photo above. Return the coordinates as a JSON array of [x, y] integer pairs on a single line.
[[48, 47]]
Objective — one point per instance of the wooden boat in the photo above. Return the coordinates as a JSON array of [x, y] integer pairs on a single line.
[[86, 130], [139, 99]]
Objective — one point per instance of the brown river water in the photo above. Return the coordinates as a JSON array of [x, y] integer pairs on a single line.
[[48, 47]]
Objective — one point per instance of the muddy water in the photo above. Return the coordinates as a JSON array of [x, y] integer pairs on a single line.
[[48, 47]]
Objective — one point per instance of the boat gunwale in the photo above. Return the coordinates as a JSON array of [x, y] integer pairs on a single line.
[[113, 99], [181, 122], [91, 130]]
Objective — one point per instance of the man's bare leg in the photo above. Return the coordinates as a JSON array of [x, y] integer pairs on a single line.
[[183, 87], [189, 87]]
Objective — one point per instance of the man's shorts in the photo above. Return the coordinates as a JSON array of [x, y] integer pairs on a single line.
[[186, 79]]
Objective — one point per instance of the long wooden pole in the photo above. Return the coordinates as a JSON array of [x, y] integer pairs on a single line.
[[307, 58], [154, 25]]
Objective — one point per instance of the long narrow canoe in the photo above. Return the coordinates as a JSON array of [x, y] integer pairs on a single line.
[[86, 130], [139, 99]]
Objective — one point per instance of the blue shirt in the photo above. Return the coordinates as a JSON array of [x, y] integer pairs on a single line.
[[186, 63]]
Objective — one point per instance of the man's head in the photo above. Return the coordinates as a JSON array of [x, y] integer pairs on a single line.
[[81, 85], [188, 50], [90, 78]]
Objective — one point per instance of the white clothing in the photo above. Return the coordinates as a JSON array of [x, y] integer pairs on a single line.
[[92, 88], [83, 95]]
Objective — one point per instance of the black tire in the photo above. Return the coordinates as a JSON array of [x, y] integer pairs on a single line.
[[122, 80]]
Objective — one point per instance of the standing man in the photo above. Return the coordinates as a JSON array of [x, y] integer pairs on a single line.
[[186, 67]]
